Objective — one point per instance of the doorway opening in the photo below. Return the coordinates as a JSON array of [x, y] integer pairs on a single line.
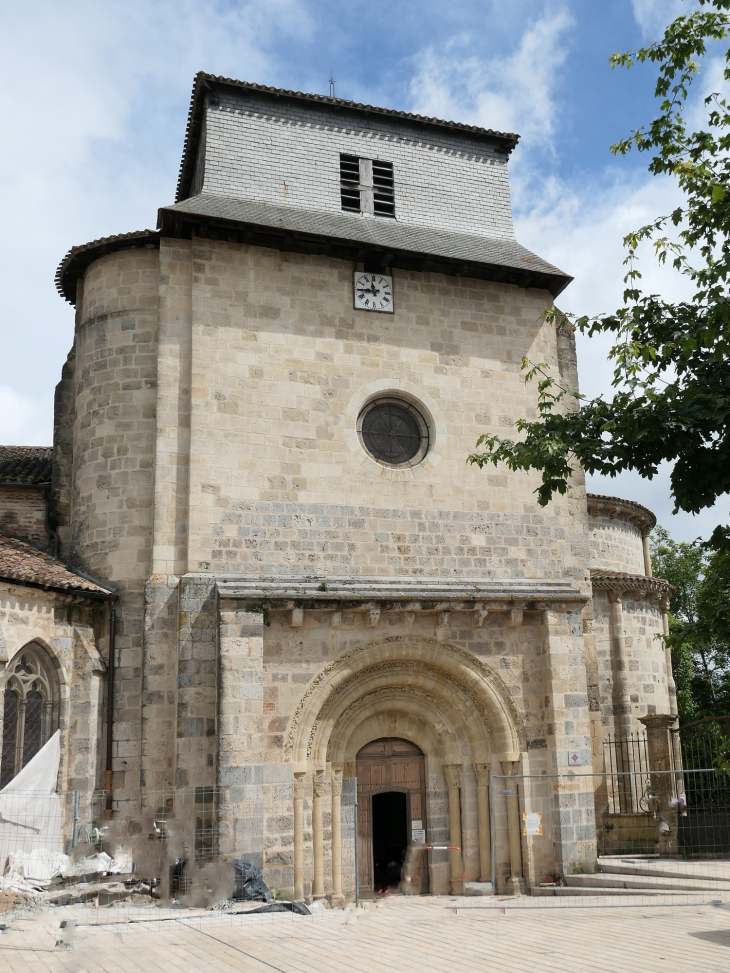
[[390, 838]]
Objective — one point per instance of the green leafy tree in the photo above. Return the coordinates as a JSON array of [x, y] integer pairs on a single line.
[[671, 379], [700, 657]]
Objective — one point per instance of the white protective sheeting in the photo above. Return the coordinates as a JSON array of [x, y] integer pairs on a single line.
[[31, 818]]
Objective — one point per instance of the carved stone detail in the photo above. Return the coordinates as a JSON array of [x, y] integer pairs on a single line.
[[483, 773], [319, 784], [452, 773], [459, 654], [373, 617], [336, 783]]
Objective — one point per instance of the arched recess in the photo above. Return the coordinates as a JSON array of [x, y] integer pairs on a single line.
[[459, 687], [31, 707], [410, 718]]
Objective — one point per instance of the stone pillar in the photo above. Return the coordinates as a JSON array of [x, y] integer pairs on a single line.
[[623, 691], [240, 734], [301, 789], [452, 773], [517, 883], [338, 898], [569, 818], [318, 788], [659, 747], [482, 772], [647, 552]]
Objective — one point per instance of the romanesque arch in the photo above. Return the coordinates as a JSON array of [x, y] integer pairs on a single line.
[[395, 672]]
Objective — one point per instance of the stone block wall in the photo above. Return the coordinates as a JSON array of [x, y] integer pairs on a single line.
[[645, 656], [281, 364], [111, 516], [616, 544], [23, 515], [288, 153]]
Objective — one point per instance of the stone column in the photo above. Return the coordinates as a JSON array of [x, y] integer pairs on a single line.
[[623, 690], [647, 552], [482, 772], [517, 883], [452, 773], [301, 791], [318, 788], [659, 747], [671, 691], [338, 898]]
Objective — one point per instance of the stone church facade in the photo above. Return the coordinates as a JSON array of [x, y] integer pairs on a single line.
[[255, 562]]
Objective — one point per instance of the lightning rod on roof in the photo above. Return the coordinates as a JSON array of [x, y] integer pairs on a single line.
[[332, 85]]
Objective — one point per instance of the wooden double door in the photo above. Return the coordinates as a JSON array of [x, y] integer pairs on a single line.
[[391, 791]]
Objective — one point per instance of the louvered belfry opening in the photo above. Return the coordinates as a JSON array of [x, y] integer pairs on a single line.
[[384, 199], [366, 186], [350, 183]]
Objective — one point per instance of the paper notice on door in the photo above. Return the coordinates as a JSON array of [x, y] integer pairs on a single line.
[[533, 823], [415, 825], [418, 834]]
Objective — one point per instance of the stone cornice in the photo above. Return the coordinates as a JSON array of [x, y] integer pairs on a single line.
[[405, 594], [634, 512], [620, 581]]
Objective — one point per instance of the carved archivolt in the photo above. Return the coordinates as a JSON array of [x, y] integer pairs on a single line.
[[445, 663], [394, 666]]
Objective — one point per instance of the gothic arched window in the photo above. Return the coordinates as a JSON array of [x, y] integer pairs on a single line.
[[30, 713]]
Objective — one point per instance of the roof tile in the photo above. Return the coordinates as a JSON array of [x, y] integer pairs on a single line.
[[22, 562]]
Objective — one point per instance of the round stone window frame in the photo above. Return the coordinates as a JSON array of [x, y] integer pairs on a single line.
[[419, 399], [412, 410]]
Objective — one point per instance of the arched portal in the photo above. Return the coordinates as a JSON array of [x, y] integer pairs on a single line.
[[432, 694]]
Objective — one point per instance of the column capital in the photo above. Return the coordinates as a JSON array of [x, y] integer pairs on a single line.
[[319, 784], [302, 786], [658, 721], [483, 772], [452, 773], [336, 783]]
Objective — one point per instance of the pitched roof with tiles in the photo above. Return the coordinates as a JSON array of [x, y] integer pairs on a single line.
[[25, 464], [26, 564]]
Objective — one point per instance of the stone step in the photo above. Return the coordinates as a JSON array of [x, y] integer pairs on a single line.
[[718, 871], [575, 890], [656, 883]]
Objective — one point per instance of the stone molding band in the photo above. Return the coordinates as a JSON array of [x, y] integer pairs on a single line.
[[404, 593]]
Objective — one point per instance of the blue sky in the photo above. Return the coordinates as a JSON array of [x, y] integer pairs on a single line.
[[97, 93]]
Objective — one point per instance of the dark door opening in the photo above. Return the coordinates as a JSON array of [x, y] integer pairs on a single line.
[[390, 838]]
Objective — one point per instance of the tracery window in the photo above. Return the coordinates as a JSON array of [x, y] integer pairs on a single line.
[[30, 713]]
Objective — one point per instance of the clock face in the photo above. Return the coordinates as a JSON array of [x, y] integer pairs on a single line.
[[373, 292]]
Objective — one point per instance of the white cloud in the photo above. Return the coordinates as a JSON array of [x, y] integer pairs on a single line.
[[92, 126], [515, 93], [654, 15]]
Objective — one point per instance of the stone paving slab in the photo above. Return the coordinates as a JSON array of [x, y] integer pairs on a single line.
[[428, 935]]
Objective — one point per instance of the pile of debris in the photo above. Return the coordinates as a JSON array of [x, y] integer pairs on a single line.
[[42, 879]]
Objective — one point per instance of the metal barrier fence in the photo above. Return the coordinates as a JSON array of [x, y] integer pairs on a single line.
[[642, 837]]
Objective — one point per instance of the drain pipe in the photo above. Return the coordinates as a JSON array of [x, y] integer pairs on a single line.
[[110, 704]]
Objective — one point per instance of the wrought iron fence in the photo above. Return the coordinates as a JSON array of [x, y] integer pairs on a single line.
[[701, 743], [628, 783]]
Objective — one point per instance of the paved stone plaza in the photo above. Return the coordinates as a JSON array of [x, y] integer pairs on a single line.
[[399, 934]]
